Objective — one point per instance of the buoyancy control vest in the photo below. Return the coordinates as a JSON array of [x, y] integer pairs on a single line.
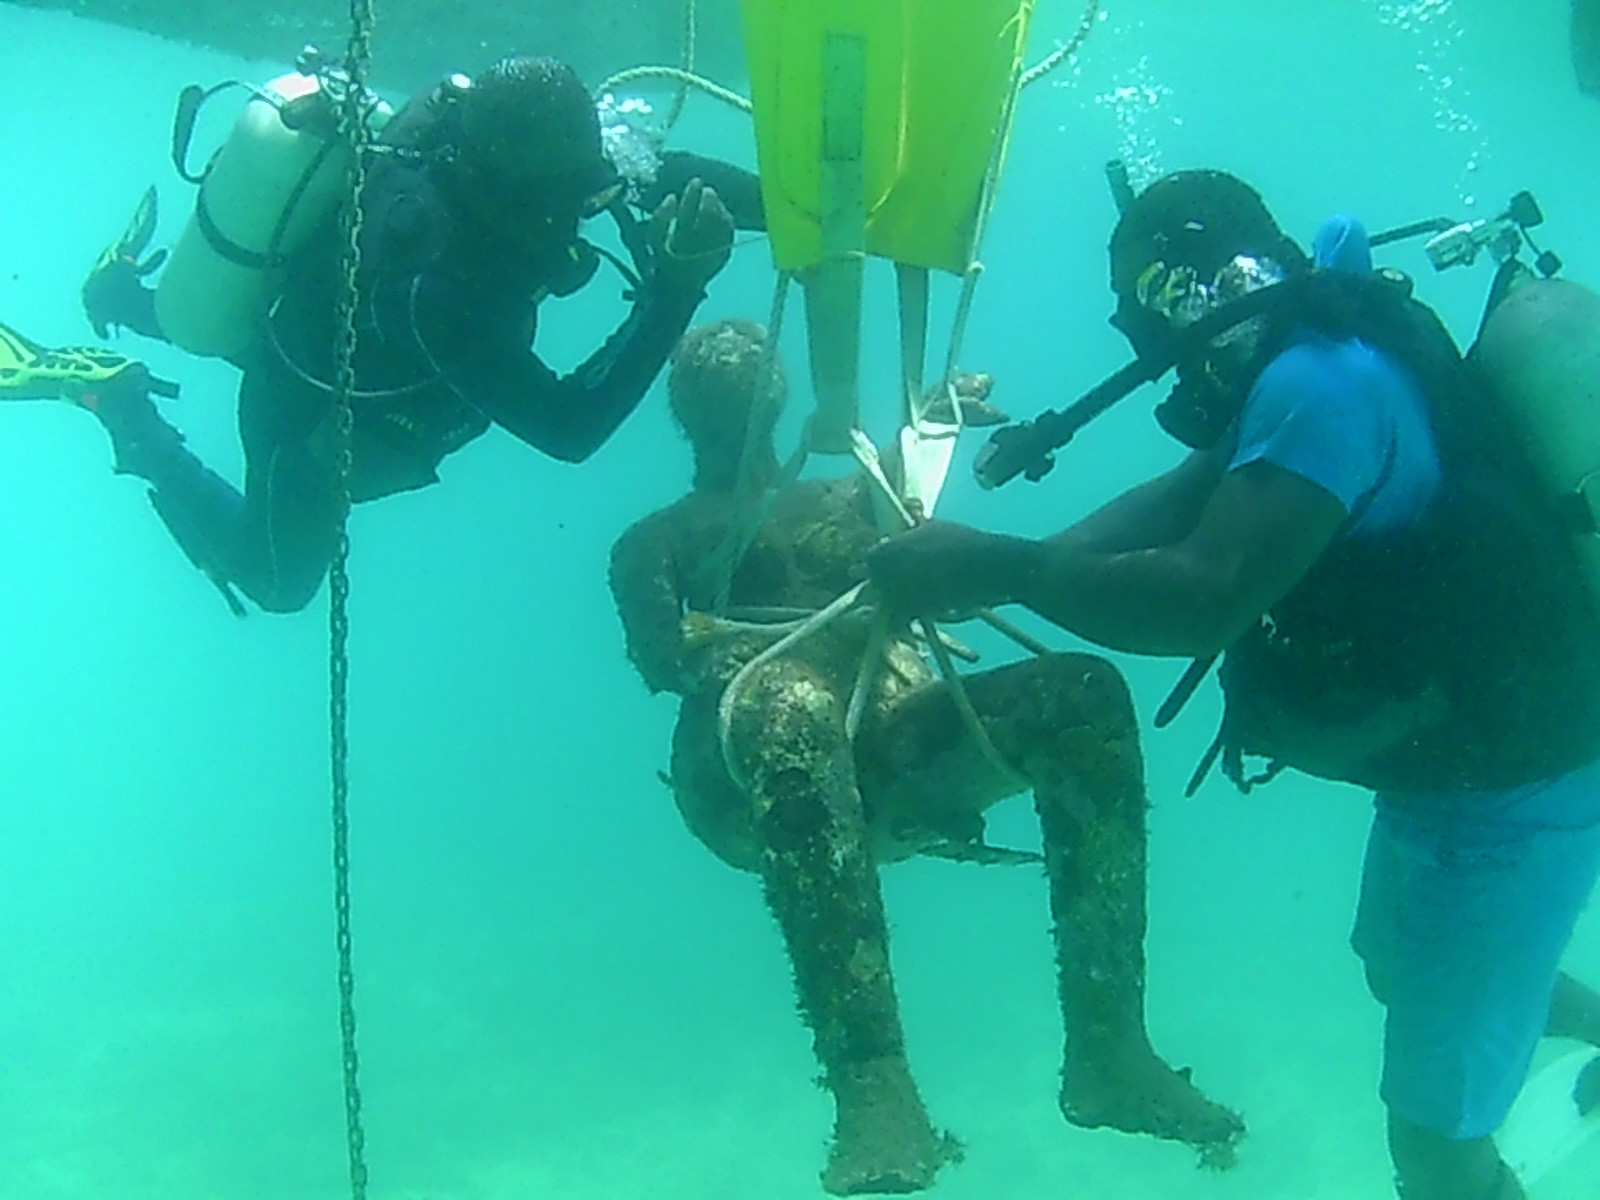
[[1459, 653]]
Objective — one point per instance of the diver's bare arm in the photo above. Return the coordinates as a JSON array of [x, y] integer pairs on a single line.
[[644, 584], [1160, 512], [1260, 531]]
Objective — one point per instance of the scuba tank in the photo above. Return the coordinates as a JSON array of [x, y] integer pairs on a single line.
[[278, 174], [1539, 354]]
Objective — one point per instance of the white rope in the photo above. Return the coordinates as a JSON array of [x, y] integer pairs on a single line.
[[867, 672], [740, 534], [964, 706], [730, 694], [678, 75]]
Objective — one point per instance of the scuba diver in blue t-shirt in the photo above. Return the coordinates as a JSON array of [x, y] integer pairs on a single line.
[[471, 216], [1398, 604]]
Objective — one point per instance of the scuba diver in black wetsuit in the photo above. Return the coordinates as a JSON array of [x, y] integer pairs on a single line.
[[471, 217]]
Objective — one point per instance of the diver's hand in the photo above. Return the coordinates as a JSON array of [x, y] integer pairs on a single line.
[[693, 237], [944, 570]]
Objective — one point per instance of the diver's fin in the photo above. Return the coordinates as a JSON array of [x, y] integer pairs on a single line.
[[141, 228], [133, 240], [112, 292], [1546, 1124], [29, 371], [17, 355]]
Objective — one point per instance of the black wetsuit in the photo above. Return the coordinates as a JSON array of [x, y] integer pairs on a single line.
[[446, 321]]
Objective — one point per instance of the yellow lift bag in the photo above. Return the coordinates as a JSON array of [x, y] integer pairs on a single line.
[[936, 88], [879, 127]]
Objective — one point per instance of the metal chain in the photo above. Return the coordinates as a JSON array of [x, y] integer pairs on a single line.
[[354, 129]]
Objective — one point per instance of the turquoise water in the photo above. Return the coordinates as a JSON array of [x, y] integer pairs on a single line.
[[561, 993]]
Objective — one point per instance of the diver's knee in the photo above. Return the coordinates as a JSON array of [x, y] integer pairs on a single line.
[[279, 580], [282, 594], [284, 600]]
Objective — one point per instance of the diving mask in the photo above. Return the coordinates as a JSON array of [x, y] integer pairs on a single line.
[[1211, 378], [1179, 296]]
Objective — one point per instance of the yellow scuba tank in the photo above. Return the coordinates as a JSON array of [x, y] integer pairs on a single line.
[[276, 176], [1539, 351]]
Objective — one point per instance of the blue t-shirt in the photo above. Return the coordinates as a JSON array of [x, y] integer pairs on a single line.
[[1343, 415], [1352, 421]]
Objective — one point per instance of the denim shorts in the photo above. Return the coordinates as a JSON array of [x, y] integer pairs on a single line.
[[1467, 904]]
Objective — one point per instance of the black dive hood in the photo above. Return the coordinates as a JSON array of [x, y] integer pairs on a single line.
[[1196, 412]]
